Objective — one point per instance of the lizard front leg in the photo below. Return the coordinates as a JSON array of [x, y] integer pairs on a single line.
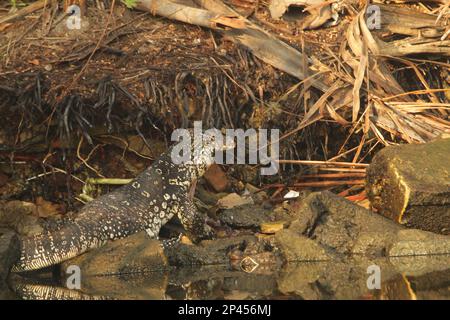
[[193, 221]]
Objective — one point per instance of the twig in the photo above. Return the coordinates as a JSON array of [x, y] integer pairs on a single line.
[[334, 175], [85, 161], [24, 11], [324, 163]]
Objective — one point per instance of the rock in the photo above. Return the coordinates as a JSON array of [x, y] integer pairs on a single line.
[[9, 251], [134, 286], [415, 242], [46, 208], [208, 252], [334, 279], [347, 279], [272, 227], [20, 216], [216, 282], [343, 227], [257, 195], [6, 293], [233, 200], [410, 184], [246, 216], [295, 247], [136, 253], [421, 265], [262, 256], [31, 291], [207, 197], [216, 178]]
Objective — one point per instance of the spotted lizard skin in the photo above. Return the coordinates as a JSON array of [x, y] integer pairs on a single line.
[[147, 203]]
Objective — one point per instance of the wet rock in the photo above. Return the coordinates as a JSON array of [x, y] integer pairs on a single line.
[[37, 291], [246, 216], [348, 278], [418, 266], [336, 279], [208, 252], [6, 293], [262, 256], [216, 178], [433, 285], [343, 228], [136, 253], [20, 216], [427, 277], [133, 286], [218, 282], [295, 247], [410, 184], [9, 253], [415, 242]]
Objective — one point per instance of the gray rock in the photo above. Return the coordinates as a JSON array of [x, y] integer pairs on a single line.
[[20, 216], [347, 278], [134, 254], [410, 184], [344, 228], [295, 247], [208, 252], [9, 253], [246, 216], [415, 242]]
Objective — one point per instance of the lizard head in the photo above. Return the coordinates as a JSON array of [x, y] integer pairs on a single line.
[[205, 150], [198, 150]]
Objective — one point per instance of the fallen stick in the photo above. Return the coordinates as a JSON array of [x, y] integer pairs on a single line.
[[331, 183], [24, 11], [342, 169], [324, 163], [334, 175]]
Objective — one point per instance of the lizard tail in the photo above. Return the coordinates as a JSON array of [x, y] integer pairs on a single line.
[[51, 248]]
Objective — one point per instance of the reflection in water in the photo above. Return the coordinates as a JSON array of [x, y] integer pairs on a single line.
[[401, 278]]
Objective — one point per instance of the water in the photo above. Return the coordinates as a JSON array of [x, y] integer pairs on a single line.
[[400, 278]]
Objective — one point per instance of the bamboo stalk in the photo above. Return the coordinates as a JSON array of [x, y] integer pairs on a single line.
[[330, 183], [342, 169], [334, 175], [323, 163]]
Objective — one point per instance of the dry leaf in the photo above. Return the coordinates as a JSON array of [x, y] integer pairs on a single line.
[[46, 208]]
